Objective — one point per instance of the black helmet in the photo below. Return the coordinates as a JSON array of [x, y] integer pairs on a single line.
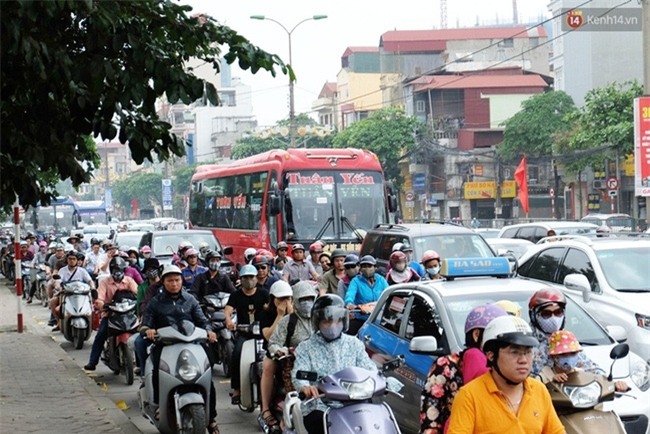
[[368, 259], [212, 254], [117, 264], [261, 260], [80, 256], [329, 307]]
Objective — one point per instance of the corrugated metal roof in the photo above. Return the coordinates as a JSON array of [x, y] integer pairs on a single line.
[[350, 50], [479, 81], [436, 40]]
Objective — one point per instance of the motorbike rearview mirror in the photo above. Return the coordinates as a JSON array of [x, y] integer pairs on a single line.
[[307, 375], [227, 250], [618, 352]]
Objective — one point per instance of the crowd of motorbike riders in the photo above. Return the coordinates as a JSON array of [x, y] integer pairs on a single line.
[[311, 302]]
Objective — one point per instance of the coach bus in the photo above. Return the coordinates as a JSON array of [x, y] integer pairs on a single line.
[[297, 196]]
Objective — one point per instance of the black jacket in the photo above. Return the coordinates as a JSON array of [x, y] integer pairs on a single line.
[[163, 311], [203, 285]]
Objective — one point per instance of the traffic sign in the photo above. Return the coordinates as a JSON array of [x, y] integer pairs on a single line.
[[410, 196], [612, 183], [612, 193]]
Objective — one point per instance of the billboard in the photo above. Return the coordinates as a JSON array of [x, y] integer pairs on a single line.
[[642, 146]]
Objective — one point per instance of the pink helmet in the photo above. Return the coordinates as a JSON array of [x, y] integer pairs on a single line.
[[42, 244], [481, 316], [191, 252], [429, 255], [145, 249]]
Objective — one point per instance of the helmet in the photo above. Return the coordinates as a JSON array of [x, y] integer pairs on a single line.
[[282, 245], [480, 316], [508, 330], [406, 248], [248, 270], [429, 255], [316, 247], [23, 243], [338, 253], [52, 245], [264, 252], [170, 269], [117, 264], [328, 254], [203, 245], [544, 297], [329, 307], [212, 254], [145, 249], [132, 250], [296, 247], [281, 289], [397, 246], [563, 342], [42, 244], [191, 252], [60, 246], [351, 259], [30, 235], [151, 264], [396, 257], [249, 254], [184, 245], [510, 307], [368, 259], [303, 289], [260, 260]]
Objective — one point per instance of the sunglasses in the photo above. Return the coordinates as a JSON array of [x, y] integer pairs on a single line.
[[349, 267], [546, 314], [261, 267], [325, 263], [367, 266]]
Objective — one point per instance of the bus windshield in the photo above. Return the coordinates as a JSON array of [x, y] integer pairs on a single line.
[[334, 205]]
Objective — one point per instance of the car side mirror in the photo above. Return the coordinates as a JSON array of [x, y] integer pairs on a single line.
[[617, 332], [579, 282], [424, 345]]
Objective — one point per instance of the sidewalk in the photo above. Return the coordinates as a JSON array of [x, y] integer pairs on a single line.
[[42, 390]]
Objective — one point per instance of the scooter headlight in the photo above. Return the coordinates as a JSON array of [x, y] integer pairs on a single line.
[[640, 374], [187, 366], [359, 390], [583, 396]]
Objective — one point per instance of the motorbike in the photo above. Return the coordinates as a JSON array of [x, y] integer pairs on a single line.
[[227, 267], [348, 395], [122, 323], [25, 273], [250, 366], [575, 400], [76, 312], [213, 306], [8, 266], [184, 375]]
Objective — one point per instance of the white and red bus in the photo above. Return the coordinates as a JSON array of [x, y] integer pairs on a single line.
[[297, 196]]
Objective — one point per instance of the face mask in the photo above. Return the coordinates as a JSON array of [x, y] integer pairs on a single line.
[[304, 308], [368, 272], [332, 332], [400, 266], [433, 271], [133, 261], [567, 362], [248, 283], [550, 325], [146, 255], [152, 274], [118, 276], [214, 266]]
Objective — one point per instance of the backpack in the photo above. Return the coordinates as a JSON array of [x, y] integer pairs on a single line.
[[443, 381], [286, 364]]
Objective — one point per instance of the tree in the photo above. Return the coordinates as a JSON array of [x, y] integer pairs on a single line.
[[602, 128], [276, 138], [388, 132], [146, 188], [73, 70], [531, 131]]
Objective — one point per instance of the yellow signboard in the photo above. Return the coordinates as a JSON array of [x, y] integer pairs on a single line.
[[487, 190], [628, 166]]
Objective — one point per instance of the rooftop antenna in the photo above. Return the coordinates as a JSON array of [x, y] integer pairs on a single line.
[[443, 14]]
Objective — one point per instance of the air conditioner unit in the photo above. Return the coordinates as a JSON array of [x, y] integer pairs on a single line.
[[599, 185]]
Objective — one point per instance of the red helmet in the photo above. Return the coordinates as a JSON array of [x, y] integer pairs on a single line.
[[316, 247], [264, 252], [546, 296], [429, 255], [396, 257]]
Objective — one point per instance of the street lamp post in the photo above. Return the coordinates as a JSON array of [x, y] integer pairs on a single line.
[[292, 113]]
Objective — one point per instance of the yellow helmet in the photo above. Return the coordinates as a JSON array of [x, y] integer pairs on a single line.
[[509, 306]]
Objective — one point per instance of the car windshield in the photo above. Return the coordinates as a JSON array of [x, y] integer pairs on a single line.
[[575, 230], [468, 245], [167, 244], [128, 239], [588, 331], [626, 269]]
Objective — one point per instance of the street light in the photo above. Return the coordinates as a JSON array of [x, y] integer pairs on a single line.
[[292, 114]]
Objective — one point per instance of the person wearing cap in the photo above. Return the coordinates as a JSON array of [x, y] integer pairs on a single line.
[[330, 281], [213, 280], [351, 267], [72, 273], [364, 291], [145, 251], [75, 242], [299, 268], [415, 265], [151, 280], [51, 250], [315, 250], [505, 399], [170, 307], [249, 302]]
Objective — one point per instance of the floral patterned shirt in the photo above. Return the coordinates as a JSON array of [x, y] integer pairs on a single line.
[[442, 384]]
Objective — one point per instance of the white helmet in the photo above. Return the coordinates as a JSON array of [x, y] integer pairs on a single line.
[[397, 247], [170, 269], [249, 254], [508, 329], [281, 289]]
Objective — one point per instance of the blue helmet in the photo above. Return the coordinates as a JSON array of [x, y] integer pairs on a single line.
[[248, 270]]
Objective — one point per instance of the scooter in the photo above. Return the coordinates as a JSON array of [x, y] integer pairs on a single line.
[[122, 323], [576, 399], [184, 376], [41, 285], [349, 396], [213, 306], [76, 312], [250, 366]]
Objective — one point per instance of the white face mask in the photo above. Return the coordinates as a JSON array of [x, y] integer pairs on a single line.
[[433, 271], [550, 325]]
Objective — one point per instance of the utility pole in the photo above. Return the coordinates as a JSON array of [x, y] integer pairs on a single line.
[[498, 207]]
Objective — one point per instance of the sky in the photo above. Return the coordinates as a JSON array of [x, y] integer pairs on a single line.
[[317, 46]]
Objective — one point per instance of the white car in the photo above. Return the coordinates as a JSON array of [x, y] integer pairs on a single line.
[[609, 277], [509, 245]]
